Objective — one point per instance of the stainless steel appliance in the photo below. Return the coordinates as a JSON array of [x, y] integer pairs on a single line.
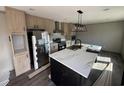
[[61, 44], [38, 40]]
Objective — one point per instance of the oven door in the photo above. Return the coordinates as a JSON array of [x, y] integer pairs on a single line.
[[61, 45]]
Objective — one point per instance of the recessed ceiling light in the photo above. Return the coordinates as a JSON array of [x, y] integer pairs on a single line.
[[31, 9], [106, 9]]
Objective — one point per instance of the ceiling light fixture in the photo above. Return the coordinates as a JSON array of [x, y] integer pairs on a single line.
[[79, 27]]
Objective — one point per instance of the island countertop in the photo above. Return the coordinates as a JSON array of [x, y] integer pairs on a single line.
[[79, 60]]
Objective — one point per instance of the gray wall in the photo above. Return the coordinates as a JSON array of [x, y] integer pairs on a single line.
[[5, 51], [108, 35]]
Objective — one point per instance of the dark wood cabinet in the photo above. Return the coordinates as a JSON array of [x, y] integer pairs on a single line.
[[64, 76]]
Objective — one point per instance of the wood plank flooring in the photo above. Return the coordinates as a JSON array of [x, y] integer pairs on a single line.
[[39, 80], [118, 67], [42, 78]]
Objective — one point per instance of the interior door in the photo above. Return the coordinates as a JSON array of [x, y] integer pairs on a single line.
[[20, 53], [21, 63]]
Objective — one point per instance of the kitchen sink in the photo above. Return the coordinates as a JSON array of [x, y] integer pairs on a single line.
[[75, 47]]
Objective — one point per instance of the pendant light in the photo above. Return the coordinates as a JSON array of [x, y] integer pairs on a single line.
[[79, 27]]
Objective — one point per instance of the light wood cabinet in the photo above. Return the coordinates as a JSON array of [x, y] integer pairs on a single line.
[[34, 21], [29, 21], [15, 20], [50, 25], [41, 23], [71, 27], [67, 30]]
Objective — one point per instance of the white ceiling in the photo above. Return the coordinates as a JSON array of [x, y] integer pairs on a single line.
[[92, 14]]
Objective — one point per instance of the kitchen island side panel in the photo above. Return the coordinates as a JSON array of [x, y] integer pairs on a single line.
[[64, 76]]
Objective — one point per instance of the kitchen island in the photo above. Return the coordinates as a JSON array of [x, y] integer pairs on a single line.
[[72, 67]]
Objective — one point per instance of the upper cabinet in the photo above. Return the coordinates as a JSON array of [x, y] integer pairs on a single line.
[[41, 23], [50, 25], [71, 27], [67, 30], [34, 22], [15, 20]]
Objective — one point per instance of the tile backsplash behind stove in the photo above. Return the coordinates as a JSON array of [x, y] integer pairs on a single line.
[[58, 35]]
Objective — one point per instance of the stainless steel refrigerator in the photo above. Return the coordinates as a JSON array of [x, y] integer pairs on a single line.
[[38, 40]]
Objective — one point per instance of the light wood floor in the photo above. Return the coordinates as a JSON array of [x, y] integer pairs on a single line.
[[42, 78]]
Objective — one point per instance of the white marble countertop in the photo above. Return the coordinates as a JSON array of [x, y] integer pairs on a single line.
[[79, 61]]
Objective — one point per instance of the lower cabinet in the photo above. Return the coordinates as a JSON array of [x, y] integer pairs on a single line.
[[21, 63], [64, 76]]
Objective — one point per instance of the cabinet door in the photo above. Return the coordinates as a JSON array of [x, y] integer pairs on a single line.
[[56, 72], [42, 23], [21, 63], [10, 16], [71, 27], [51, 26], [47, 25], [29, 21], [20, 21], [33, 21], [64, 76], [67, 30], [15, 20]]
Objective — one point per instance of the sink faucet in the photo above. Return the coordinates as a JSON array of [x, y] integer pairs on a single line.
[[79, 41]]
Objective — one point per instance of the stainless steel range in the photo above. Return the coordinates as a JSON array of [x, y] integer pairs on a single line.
[[61, 44]]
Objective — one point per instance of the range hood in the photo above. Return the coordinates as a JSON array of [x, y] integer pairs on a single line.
[[58, 27]]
